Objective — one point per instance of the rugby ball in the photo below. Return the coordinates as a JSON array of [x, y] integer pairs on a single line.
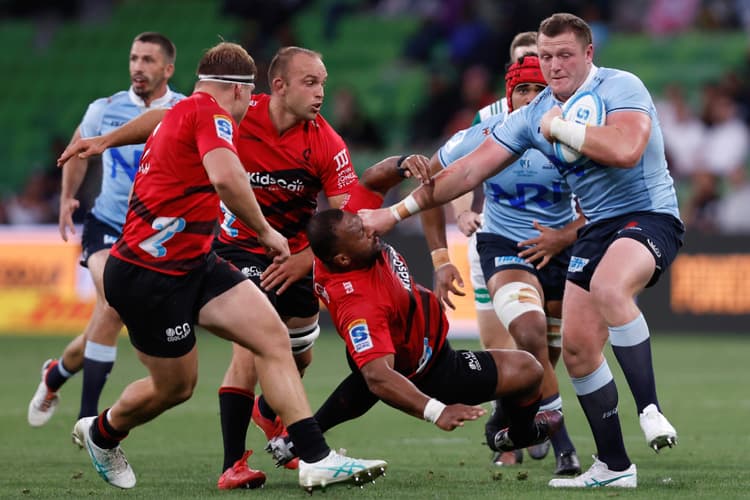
[[586, 108]]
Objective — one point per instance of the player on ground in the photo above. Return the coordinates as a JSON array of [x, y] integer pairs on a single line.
[[395, 333], [625, 191], [527, 209], [152, 57], [165, 255]]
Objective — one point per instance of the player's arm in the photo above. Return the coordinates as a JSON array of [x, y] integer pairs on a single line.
[[621, 142], [135, 131], [460, 177], [230, 181], [73, 173], [399, 392]]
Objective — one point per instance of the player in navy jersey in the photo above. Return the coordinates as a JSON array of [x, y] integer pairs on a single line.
[[152, 58], [163, 278], [527, 210], [633, 235]]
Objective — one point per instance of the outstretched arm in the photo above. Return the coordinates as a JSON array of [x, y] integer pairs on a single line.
[[136, 131], [399, 392], [74, 170], [460, 177]]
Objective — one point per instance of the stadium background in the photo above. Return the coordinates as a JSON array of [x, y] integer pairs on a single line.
[[60, 55]]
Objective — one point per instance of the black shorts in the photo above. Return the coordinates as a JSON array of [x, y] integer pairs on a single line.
[[661, 234], [297, 301], [497, 253], [161, 310], [96, 236], [468, 377]]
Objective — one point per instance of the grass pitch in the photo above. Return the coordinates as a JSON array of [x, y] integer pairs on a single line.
[[702, 383]]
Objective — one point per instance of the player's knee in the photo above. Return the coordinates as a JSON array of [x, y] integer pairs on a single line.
[[178, 392], [303, 338], [607, 294], [514, 300]]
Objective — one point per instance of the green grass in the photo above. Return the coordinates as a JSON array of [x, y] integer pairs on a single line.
[[702, 383]]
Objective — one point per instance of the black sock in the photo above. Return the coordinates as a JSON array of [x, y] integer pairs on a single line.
[[600, 407], [351, 399], [95, 374], [309, 443], [496, 421], [103, 434], [264, 409], [55, 378], [560, 439], [235, 410], [521, 420]]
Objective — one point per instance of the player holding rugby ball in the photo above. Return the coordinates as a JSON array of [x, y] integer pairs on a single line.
[[633, 234]]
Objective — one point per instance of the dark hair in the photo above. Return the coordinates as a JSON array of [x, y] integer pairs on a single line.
[[562, 22], [521, 40], [167, 47], [321, 233], [280, 61], [226, 58]]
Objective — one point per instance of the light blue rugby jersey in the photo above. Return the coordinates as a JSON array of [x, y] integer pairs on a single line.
[[602, 191], [119, 165], [529, 189]]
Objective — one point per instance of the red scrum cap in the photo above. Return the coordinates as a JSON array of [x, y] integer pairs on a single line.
[[525, 70]]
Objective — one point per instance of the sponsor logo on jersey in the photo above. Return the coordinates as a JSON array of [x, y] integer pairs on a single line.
[[348, 287], [267, 181], [348, 178], [321, 292], [400, 269], [178, 333], [507, 260], [342, 159], [223, 126], [577, 264], [359, 335]]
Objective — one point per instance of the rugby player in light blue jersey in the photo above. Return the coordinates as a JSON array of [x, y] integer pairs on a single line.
[[528, 201], [152, 58], [633, 235]]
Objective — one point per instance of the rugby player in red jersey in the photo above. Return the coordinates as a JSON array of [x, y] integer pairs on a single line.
[[163, 278]]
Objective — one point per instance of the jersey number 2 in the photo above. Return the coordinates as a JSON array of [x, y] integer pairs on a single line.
[[166, 227]]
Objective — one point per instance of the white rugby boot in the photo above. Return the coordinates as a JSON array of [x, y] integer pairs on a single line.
[[338, 468], [44, 403], [657, 429], [599, 476], [111, 464]]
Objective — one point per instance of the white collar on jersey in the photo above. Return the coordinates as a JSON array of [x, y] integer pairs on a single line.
[[161, 102], [589, 78]]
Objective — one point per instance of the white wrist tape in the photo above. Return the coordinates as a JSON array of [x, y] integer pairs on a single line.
[[432, 410], [404, 208], [570, 133]]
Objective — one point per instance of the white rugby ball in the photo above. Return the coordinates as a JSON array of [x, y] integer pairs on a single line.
[[586, 108]]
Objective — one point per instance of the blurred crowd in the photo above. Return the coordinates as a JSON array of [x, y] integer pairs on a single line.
[[462, 46]]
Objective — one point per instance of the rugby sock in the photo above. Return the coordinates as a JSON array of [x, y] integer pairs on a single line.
[[351, 399], [97, 364], [597, 394], [520, 415], [309, 443], [496, 421], [103, 434], [631, 344], [560, 440], [264, 409], [57, 375], [235, 410]]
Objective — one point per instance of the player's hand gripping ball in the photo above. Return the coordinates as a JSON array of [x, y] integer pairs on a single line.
[[586, 108]]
